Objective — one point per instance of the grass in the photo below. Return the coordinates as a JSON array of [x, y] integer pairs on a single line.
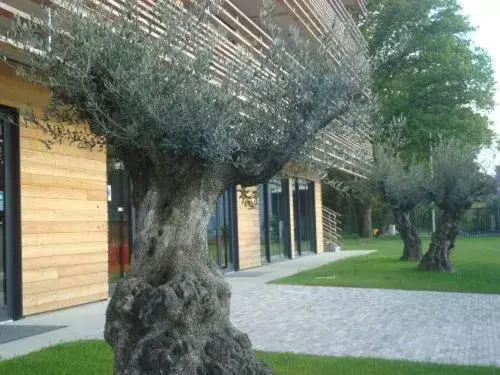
[[95, 357], [476, 262]]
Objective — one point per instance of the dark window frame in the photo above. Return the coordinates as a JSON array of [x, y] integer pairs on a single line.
[[12, 210]]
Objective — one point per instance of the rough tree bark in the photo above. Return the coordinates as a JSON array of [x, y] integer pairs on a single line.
[[364, 219], [171, 314], [443, 239], [412, 249]]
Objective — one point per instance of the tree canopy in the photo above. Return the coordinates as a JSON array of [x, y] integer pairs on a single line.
[[430, 71], [166, 98], [458, 180]]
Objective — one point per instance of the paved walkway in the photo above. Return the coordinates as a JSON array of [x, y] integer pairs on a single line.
[[422, 326]]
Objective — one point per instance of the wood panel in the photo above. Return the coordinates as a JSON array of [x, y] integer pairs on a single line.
[[36, 227], [33, 179], [58, 171], [63, 283], [248, 236], [62, 149], [62, 215], [63, 211], [63, 260], [29, 310], [293, 249], [82, 269], [54, 296], [49, 245], [318, 208], [30, 276]]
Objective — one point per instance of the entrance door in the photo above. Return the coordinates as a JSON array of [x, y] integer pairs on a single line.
[[219, 234], [10, 222], [304, 216]]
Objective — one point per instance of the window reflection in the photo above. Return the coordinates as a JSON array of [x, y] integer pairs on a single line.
[[304, 216], [274, 227], [219, 232]]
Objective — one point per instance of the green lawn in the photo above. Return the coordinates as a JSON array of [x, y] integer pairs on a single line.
[[476, 262], [94, 358]]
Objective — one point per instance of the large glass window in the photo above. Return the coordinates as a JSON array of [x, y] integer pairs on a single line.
[[304, 216], [119, 207], [274, 220], [219, 234]]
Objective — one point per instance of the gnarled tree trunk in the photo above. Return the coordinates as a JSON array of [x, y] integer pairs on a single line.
[[412, 249], [443, 239], [364, 219], [171, 314]]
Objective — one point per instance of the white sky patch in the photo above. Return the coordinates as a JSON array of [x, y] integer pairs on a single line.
[[485, 15]]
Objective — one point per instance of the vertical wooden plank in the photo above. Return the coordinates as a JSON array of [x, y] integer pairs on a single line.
[[248, 235], [318, 206]]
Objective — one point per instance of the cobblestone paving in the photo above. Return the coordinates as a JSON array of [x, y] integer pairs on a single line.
[[421, 326]]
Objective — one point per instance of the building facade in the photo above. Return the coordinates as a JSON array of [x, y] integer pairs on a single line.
[[66, 220]]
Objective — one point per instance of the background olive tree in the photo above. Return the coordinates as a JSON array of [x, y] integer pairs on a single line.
[[401, 186], [457, 183], [187, 124]]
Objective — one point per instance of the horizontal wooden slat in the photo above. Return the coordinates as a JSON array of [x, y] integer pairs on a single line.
[[63, 204], [47, 157], [36, 227], [35, 144], [53, 192], [63, 215], [34, 179], [64, 294], [97, 195], [58, 171], [85, 238], [30, 276], [30, 310], [64, 283], [64, 260], [82, 269]]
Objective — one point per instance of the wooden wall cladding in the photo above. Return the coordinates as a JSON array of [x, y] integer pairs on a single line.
[[63, 212], [248, 236]]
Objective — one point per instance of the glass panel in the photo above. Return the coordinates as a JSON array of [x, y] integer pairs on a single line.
[[276, 212], [3, 281], [225, 246], [212, 236], [262, 200], [118, 223], [218, 234], [303, 197]]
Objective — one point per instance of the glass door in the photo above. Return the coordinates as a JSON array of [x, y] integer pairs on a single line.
[[219, 234], [274, 212], [304, 216]]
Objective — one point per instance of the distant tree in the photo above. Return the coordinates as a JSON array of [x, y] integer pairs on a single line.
[[456, 184], [187, 123], [430, 71], [401, 186]]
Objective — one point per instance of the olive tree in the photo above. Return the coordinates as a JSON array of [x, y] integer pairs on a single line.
[[187, 122], [401, 186], [456, 184]]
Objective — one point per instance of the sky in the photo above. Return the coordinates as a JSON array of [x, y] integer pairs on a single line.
[[485, 14]]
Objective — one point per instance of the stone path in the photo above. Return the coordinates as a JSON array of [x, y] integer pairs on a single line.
[[420, 326]]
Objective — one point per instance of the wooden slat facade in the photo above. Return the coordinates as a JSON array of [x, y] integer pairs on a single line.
[[249, 227], [248, 236], [318, 211], [63, 212]]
